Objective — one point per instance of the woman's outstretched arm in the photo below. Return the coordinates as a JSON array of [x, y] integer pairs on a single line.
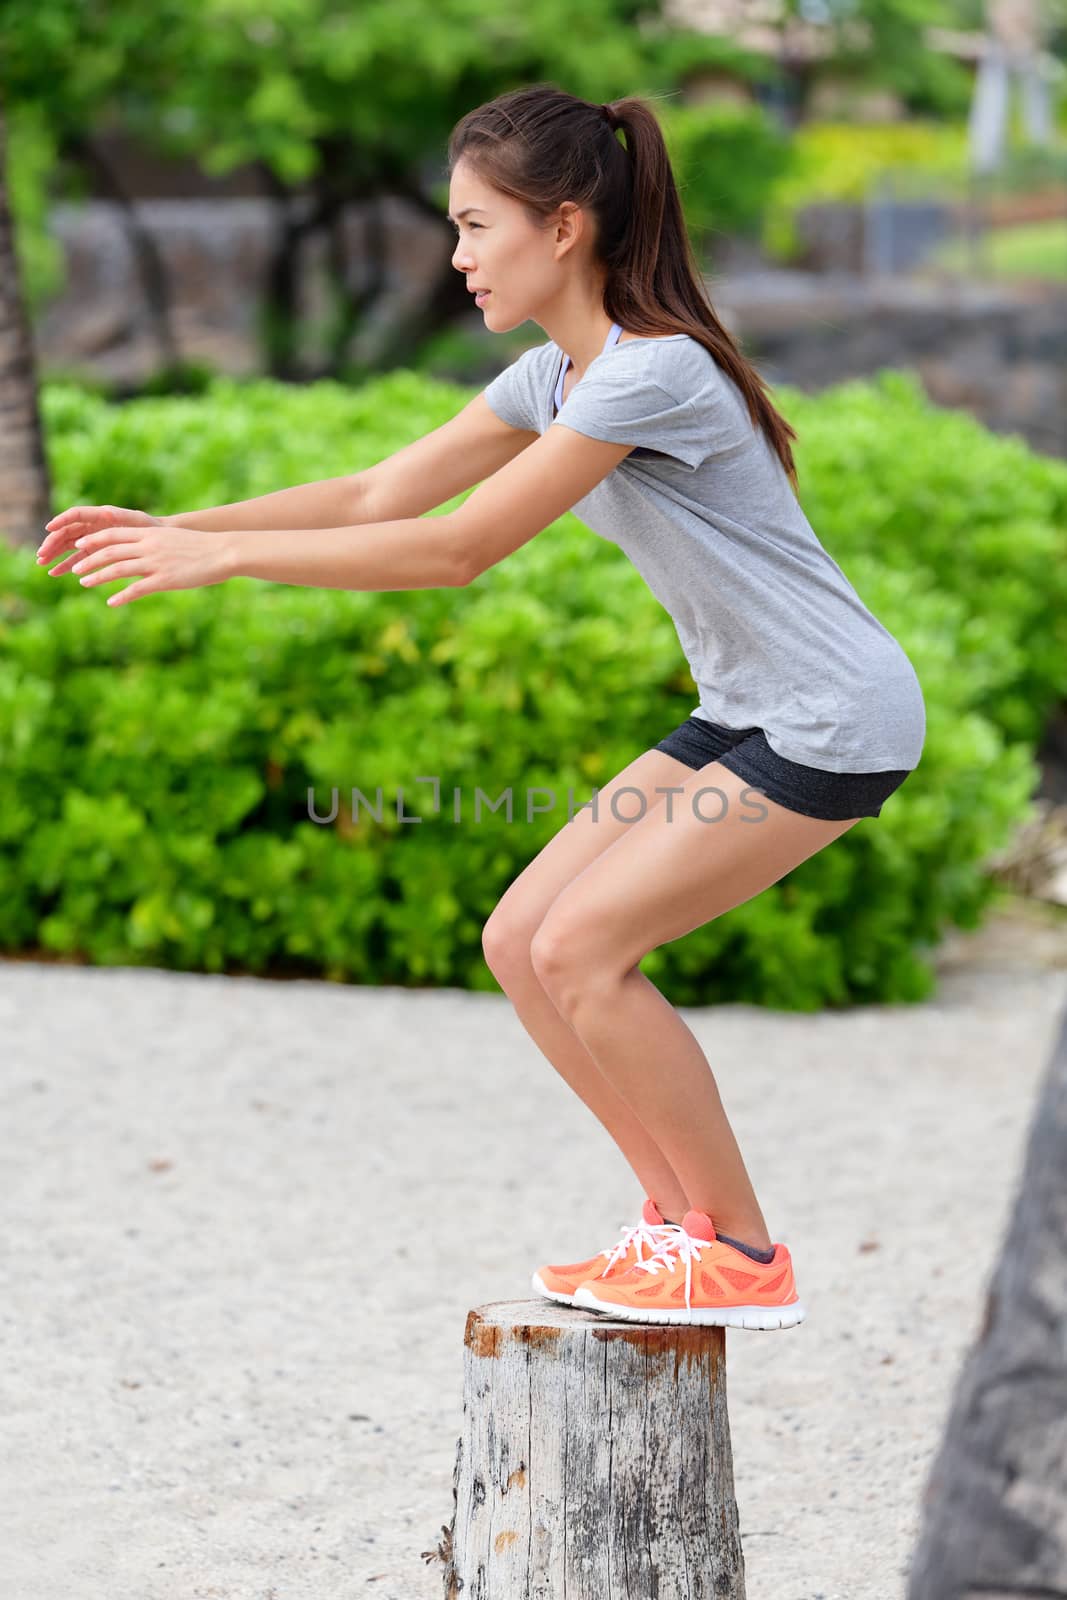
[[507, 510], [323, 504], [416, 478], [534, 488]]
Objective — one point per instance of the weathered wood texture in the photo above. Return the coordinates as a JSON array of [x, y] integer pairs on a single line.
[[594, 1460], [995, 1521]]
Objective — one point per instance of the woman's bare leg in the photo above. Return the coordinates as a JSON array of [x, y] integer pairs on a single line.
[[672, 872], [506, 941], [561, 1046]]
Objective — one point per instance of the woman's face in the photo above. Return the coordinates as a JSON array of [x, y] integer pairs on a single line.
[[499, 249]]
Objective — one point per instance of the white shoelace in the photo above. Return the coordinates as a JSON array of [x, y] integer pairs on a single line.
[[684, 1248], [642, 1234]]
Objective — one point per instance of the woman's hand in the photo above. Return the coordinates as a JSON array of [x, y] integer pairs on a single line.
[[160, 556], [63, 529]]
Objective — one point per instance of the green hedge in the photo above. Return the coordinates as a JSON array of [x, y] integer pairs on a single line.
[[727, 160], [155, 761]]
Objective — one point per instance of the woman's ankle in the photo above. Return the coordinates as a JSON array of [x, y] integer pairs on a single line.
[[757, 1237]]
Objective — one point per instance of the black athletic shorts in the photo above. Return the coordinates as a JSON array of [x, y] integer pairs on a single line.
[[834, 796]]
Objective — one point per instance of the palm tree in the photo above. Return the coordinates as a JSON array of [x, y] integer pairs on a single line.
[[995, 1506], [24, 490]]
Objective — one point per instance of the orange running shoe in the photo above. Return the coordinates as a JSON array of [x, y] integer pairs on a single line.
[[559, 1283], [694, 1278]]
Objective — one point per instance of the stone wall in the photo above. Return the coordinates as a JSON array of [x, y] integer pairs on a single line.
[[996, 349], [215, 253]]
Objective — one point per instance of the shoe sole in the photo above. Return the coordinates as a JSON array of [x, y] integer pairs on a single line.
[[755, 1317]]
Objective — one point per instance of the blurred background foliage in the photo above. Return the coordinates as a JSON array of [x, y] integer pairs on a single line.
[[347, 107], [170, 760], [167, 783]]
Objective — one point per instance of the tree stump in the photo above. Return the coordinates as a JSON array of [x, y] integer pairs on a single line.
[[594, 1460]]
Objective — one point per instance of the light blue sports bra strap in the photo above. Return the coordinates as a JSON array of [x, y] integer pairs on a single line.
[[612, 338]]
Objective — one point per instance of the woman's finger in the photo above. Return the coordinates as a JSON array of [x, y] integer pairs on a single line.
[[125, 561], [62, 538], [60, 553], [50, 548], [69, 530], [86, 511], [80, 516], [78, 520], [56, 536], [87, 514], [133, 591], [115, 547], [72, 512]]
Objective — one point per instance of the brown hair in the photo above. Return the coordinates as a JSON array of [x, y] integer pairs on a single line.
[[543, 146]]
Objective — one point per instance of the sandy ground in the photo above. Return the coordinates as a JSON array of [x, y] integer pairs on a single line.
[[245, 1221]]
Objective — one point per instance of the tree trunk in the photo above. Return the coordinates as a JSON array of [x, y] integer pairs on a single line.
[[147, 258], [447, 299], [24, 491], [594, 1460], [996, 1501]]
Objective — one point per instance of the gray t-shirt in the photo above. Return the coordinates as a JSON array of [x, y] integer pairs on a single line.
[[775, 635]]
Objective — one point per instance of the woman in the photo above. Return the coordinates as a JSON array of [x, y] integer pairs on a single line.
[[641, 414]]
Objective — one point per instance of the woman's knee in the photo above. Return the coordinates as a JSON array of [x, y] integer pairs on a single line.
[[506, 940]]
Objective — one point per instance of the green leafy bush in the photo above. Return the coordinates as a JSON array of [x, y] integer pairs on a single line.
[[928, 498], [842, 160], [166, 769], [727, 159]]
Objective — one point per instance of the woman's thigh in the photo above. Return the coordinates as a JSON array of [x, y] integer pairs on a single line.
[[521, 909]]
